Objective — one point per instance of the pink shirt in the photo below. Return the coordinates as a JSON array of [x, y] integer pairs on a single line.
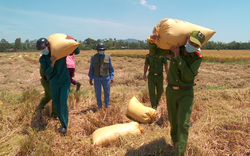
[[70, 61]]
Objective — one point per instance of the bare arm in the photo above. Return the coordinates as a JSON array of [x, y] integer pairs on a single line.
[[53, 60]]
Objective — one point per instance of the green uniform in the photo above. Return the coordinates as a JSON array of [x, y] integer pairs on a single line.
[[179, 92], [155, 77], [47, 97], [59, 85]]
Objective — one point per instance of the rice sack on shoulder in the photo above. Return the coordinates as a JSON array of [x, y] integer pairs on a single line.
[[60, 46], [174, 31]]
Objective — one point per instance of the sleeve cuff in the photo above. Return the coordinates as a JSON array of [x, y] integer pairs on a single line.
[[178, 58]]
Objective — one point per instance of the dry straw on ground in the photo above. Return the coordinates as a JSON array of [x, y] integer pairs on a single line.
[[220, 121]]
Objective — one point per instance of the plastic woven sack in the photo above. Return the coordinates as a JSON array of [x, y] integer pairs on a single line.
[[60, 46], [140, 112], [111, 133], [172, 31]]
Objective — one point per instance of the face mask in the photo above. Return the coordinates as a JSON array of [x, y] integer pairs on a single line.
[[190, 48], [45, 51], [101, 52]]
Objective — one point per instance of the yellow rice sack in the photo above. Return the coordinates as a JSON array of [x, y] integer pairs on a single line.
[[60, 46], [172, 31], [111, 133], [140, 112]]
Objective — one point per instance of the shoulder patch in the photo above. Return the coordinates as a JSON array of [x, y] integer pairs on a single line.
[[198, 54], [148, 53]]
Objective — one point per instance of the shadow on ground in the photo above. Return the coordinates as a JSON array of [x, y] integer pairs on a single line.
[[154, 148], [38, 121], [88, 110]]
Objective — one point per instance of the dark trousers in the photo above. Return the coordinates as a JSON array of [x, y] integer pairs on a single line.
[[155, 82], [47, 98], [59, 94], [71, 74]]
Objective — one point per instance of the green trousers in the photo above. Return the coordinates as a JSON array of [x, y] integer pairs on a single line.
[[179, 106], [47, 98], [59, 94], [155, 81]]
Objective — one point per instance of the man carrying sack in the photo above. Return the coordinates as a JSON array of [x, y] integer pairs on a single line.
[[59, 78], [184, 64]]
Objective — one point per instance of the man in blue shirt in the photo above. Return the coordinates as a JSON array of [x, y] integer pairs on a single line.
[[102, 71]]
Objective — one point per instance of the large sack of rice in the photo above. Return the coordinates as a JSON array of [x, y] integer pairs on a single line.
[[140, 112], [111, 133], [172, 31], [60, 46]]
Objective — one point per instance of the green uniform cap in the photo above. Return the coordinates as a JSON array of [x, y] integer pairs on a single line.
[[197, 37]]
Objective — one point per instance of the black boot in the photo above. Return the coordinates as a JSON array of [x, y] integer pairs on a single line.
[[63, 130], [78, 85]]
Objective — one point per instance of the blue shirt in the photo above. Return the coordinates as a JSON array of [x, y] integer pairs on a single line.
[[91, 70]]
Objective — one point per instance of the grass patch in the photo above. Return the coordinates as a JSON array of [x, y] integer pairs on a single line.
[[226, 61], [216, 88], [240, 62]]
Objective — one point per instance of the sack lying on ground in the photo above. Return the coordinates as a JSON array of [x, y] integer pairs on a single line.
[[140, 112], [111, 133], [60, 46], [172, 31]]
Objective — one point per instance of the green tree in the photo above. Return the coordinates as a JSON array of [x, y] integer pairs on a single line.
[[18, 45], [89, 41], [109, 43], [4, 45], [26, 45], [133, 45], [89, 44], [81, 46], [32, 44]]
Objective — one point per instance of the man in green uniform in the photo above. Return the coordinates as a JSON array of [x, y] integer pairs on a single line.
[[184, 64], [59, 79], [47, 97], [155, 76]]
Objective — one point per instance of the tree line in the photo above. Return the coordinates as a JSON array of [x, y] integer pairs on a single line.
[[227, 46], [112, 44]]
